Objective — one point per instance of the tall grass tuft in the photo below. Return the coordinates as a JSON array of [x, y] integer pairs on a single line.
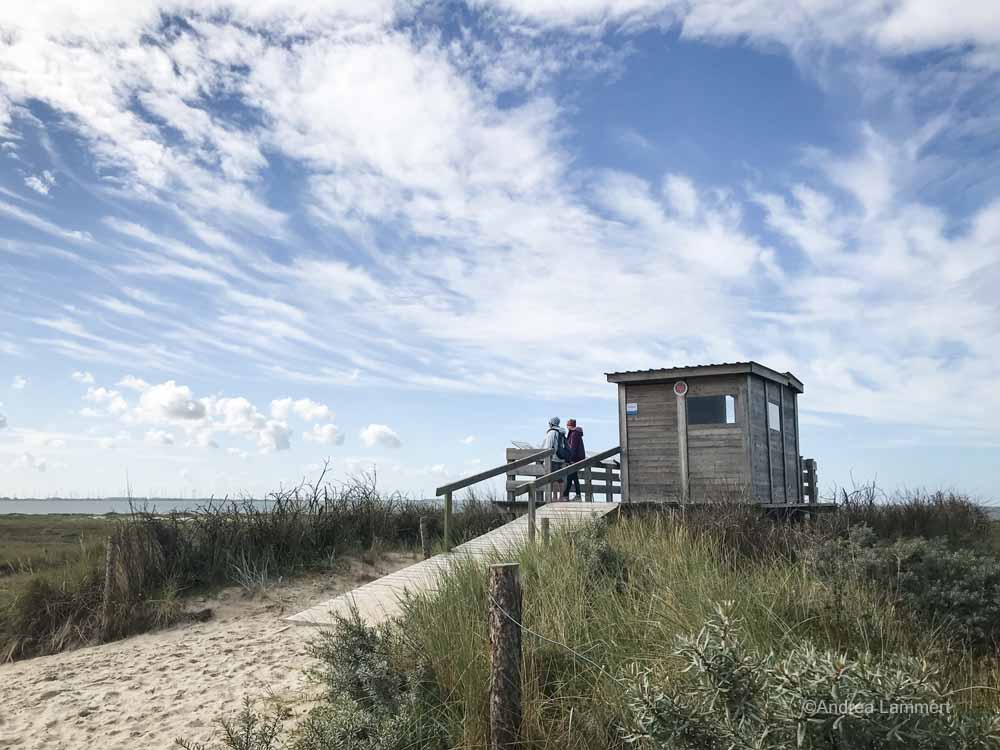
[[160, 557]]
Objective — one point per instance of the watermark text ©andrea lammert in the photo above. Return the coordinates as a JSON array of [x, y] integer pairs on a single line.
[[853, 708]]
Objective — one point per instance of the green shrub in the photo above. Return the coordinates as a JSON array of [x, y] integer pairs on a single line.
[[728, 696], [249, 730], [374, 702], [597, 558], [956, 590]]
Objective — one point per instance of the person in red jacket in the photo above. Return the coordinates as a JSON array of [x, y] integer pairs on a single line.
[[574, 439]]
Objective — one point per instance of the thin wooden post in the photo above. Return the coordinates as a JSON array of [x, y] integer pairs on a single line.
[[504, 616], [532, 497], [425, 536], [545, 531], [447, 522], [608, 497], [110, 566], [588, 477], [682, 441], [547, 492]]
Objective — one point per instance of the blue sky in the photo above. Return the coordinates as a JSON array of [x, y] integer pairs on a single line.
[[237, 238]]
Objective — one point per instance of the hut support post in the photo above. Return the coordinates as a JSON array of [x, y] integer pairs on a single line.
[[588, 478], [447, 522]]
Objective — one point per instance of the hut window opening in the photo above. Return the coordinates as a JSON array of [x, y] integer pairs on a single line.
[[774, 416], [711, 410]]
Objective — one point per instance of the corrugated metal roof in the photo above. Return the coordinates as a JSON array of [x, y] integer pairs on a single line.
[[720, 368], [683, 367]]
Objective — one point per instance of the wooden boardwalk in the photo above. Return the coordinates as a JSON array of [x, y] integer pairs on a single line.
[[380, 600]]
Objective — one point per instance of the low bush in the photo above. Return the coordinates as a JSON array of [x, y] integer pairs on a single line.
[[728, 696], [949, 516], [379, 695], [956, 591], [597, 559]]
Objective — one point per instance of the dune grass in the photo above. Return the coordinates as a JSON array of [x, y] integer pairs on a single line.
[[623, 647], [162, 558], [584, 633]]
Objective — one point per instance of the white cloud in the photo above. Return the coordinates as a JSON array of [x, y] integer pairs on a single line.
[[19, 383], [41, 184], [89, 413], [112, 401], [119, 307], [204, 439], [106, 443], [275, 436], [468, 439], [169, 401], [309, 410], [83, 377], [30, 461], [133, 383], [380, 434], [238, 453], [3, 421], [325, 433], [158, 437]]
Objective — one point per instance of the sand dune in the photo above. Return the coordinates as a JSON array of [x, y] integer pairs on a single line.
[[148, 690]]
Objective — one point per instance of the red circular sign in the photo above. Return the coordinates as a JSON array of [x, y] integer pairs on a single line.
[[680, 387]]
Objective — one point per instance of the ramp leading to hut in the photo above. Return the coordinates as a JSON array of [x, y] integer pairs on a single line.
[[380, 600]]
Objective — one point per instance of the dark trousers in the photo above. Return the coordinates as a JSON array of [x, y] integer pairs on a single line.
[[572, 479]]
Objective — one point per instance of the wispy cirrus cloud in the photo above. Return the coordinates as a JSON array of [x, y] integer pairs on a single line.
[[328, 195]]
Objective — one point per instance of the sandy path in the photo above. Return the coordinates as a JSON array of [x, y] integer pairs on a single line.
[[145, 691]]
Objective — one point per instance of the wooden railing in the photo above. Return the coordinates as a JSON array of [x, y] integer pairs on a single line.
[[447, 490], [535, 487], [600, 479], [810, 489]]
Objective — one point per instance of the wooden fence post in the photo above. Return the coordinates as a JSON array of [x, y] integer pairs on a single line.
[[447, 522], [504, 616], [545, 530], [608, 496], [588, 477], [110, 577], [425, 536]]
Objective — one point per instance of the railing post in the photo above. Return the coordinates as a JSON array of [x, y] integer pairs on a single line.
[[545, 530], [607, 484], [547, 468], [588, 477], [504, 622], [447, 522], [531, 515]]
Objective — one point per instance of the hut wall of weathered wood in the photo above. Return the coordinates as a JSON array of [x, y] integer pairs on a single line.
[[709, 432]]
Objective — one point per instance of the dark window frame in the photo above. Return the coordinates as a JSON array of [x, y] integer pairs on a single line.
[[724, 412]]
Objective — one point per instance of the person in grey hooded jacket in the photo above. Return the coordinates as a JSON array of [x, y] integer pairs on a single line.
[[554, 436]]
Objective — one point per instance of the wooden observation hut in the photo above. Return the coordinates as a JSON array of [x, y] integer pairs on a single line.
[[695, 433]]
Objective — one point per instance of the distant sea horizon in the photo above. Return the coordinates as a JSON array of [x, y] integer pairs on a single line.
[[99, 506]]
